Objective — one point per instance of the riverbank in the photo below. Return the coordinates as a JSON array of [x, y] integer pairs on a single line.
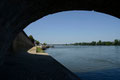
[[33, 50], [34, 66]]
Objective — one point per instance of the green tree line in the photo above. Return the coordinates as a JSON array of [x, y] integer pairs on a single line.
[[35, 41], [115, 42]]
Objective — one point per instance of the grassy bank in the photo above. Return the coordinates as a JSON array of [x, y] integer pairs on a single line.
[[39, 50]]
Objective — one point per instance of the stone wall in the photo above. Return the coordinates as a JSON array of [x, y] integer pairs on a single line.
[[21, 43], [15, 15]]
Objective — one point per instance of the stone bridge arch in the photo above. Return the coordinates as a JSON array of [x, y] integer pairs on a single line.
[[15, 15]]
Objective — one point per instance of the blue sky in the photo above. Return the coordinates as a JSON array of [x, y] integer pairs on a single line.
[[75, 26]]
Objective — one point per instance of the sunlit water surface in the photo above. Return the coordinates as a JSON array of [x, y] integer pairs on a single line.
[[89, 62]]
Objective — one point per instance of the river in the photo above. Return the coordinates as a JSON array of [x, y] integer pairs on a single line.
[[89, 62]]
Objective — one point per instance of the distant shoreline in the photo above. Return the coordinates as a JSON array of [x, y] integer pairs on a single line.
[[116, 42]]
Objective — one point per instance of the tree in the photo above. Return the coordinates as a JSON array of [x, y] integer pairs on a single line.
[[31, 38], [44, 43], [37, 42], [108, 43], [99, 42], [116, 42], [119, 42], [93, 43]]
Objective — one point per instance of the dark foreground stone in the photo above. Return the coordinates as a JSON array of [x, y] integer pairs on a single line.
[[34, 67]]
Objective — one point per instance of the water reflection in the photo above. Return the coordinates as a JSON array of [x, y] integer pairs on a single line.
[[86, 60]]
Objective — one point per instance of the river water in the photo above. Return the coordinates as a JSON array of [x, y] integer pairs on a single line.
[[89, 62]]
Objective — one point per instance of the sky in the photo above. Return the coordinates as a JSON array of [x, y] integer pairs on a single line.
[[75, 26]]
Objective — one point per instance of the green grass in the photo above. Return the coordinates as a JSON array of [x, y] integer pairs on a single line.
[[39, 50]]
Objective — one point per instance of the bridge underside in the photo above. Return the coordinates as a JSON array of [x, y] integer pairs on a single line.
[[15, 15]]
